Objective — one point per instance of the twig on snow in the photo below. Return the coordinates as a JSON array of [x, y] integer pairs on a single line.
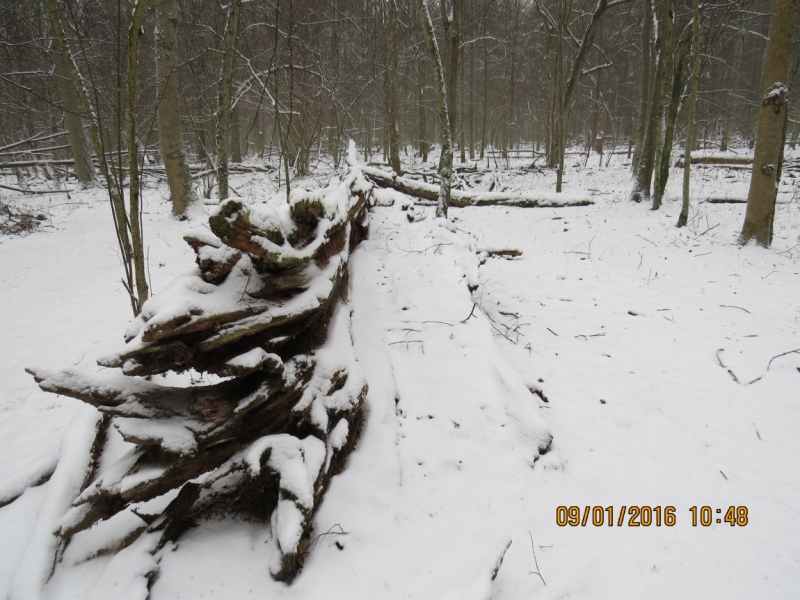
[[474, 304], [536, 562], [330, 531], [796, 350], [646, 240], [739, 307], [721, 364]]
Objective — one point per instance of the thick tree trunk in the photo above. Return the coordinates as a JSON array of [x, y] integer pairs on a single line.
[[691, 128], [225, 93], [84, 170], [771, 131], [176, 166], [394, 103], [446, 158]]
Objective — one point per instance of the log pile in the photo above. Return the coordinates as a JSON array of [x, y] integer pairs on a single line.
[[263, 309]]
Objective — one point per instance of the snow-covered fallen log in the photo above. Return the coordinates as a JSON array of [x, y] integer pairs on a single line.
[[461, 198], [716, 159], [266, 308]]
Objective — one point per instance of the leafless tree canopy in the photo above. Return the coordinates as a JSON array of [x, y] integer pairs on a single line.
[[313, 73]]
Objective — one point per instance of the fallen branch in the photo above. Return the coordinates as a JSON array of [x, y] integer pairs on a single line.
[[795, 351]]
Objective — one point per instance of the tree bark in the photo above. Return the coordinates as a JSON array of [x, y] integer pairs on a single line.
[[691, 128], [176, 166], [225, 93], [760, 214], [394, 130], [446, 157]]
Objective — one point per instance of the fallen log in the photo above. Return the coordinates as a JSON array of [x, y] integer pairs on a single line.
[[716, 160], [462, 198], [265, 308]]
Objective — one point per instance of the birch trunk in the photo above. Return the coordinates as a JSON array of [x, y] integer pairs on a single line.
[[446, 158], [179, 178]]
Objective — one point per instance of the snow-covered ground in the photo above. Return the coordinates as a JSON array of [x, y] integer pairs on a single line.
[[653, 347]]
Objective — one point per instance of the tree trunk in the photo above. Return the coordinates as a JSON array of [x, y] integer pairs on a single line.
[[664, 71], [134, 194], [647, 34], [423, 123], [394, 130], [452, 36], [764, 181], [236, 135], [176, 166], [84, 170], [446, 158], [691, 128], [225, 93], [672, 115], [644, 172]]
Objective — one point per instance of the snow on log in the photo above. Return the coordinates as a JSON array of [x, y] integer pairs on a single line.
[[266, 308], [461, 198], [715, 159]]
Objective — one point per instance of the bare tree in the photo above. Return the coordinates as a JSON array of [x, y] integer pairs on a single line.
[[446, 158], [691, 128]]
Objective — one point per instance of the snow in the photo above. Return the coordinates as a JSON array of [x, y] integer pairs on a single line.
[[633, 331]]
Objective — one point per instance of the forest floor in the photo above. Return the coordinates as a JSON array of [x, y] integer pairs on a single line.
[[651, 354]]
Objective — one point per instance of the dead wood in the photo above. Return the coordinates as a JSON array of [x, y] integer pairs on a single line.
[[258, 309], [462, 198]]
